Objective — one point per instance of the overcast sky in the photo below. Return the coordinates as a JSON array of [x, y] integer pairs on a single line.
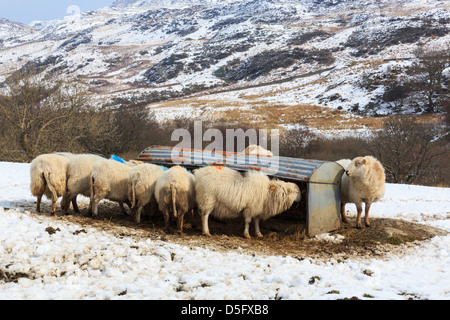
[[26, 11]]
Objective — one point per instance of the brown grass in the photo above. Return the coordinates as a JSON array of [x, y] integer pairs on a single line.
[[256, 113]]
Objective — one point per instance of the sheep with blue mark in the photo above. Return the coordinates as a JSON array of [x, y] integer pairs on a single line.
[[141, 186], [109, 180], [78, 179]]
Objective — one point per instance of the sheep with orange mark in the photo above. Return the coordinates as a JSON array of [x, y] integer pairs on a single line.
[[363, 181], [175, 192], [226, 193]]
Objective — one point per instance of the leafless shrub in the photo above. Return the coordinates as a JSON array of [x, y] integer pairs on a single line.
[[35, 116], [293, 142], [42, 117]]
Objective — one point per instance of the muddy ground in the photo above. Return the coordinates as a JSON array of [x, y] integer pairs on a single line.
[[283, 235]]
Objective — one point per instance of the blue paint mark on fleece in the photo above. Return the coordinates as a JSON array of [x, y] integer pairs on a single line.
[[118, 159]]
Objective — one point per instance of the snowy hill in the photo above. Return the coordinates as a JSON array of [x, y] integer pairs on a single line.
[[10, 31], [308, 52]]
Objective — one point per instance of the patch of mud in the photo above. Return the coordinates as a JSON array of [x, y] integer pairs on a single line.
[[8, 276], [283, 235]]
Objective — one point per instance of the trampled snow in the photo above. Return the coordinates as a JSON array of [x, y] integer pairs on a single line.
[[95, 264]]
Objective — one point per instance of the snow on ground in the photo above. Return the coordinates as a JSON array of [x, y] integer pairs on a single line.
[[92, 264]]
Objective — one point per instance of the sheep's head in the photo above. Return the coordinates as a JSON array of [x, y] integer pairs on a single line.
[[357, 167], [285, 190], [295, 190]]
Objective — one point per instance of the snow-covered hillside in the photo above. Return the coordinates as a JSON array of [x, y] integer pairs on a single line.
[[52, 258], [302, 52]]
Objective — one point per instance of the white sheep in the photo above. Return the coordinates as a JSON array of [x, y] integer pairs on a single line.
[[175, 192], [363, 181], [78, 179], [141, 186], [255, 150], [226, 193], [109, 180], [48, 176]]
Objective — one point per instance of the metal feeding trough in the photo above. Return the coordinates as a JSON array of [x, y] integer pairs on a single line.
[[322, 179]]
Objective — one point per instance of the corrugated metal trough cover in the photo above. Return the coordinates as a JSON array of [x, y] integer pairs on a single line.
[[322, 178], [281, 167]]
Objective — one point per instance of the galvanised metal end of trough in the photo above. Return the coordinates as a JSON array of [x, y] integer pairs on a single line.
[[322, 179]]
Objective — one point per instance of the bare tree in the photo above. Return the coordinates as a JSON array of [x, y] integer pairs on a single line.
[[32, 112], [137, 128], [428, 72], [407, 148]]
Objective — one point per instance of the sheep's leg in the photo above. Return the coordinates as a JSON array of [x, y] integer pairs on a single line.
[[248, 219], [38, 203], [74, 205], [93, 208], [138, 214], [53, 210], [150, 208], [65, 202], [180, 222], [366, 214], [343, 214], [257, 231], [95, 196], [122, 208], [167, 220], [93, 205], [90, 207], [193, 224], [128, 203], [358, 218], [205, 216]]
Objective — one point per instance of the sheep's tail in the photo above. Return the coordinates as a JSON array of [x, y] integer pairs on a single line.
[[50, 184], [37, 185], [173, 190], [133, 193]]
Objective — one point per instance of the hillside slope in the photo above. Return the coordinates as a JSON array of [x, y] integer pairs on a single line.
[[338, 54]]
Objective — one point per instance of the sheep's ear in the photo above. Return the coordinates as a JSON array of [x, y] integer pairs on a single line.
[[364, 161], [273, 187]]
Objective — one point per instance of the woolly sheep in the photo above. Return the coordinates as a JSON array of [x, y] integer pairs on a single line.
[[226, 193], [141, 186], [78, 178], [109, 179], [48, 176], [175, 192], [254, 149], [363, 181]]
